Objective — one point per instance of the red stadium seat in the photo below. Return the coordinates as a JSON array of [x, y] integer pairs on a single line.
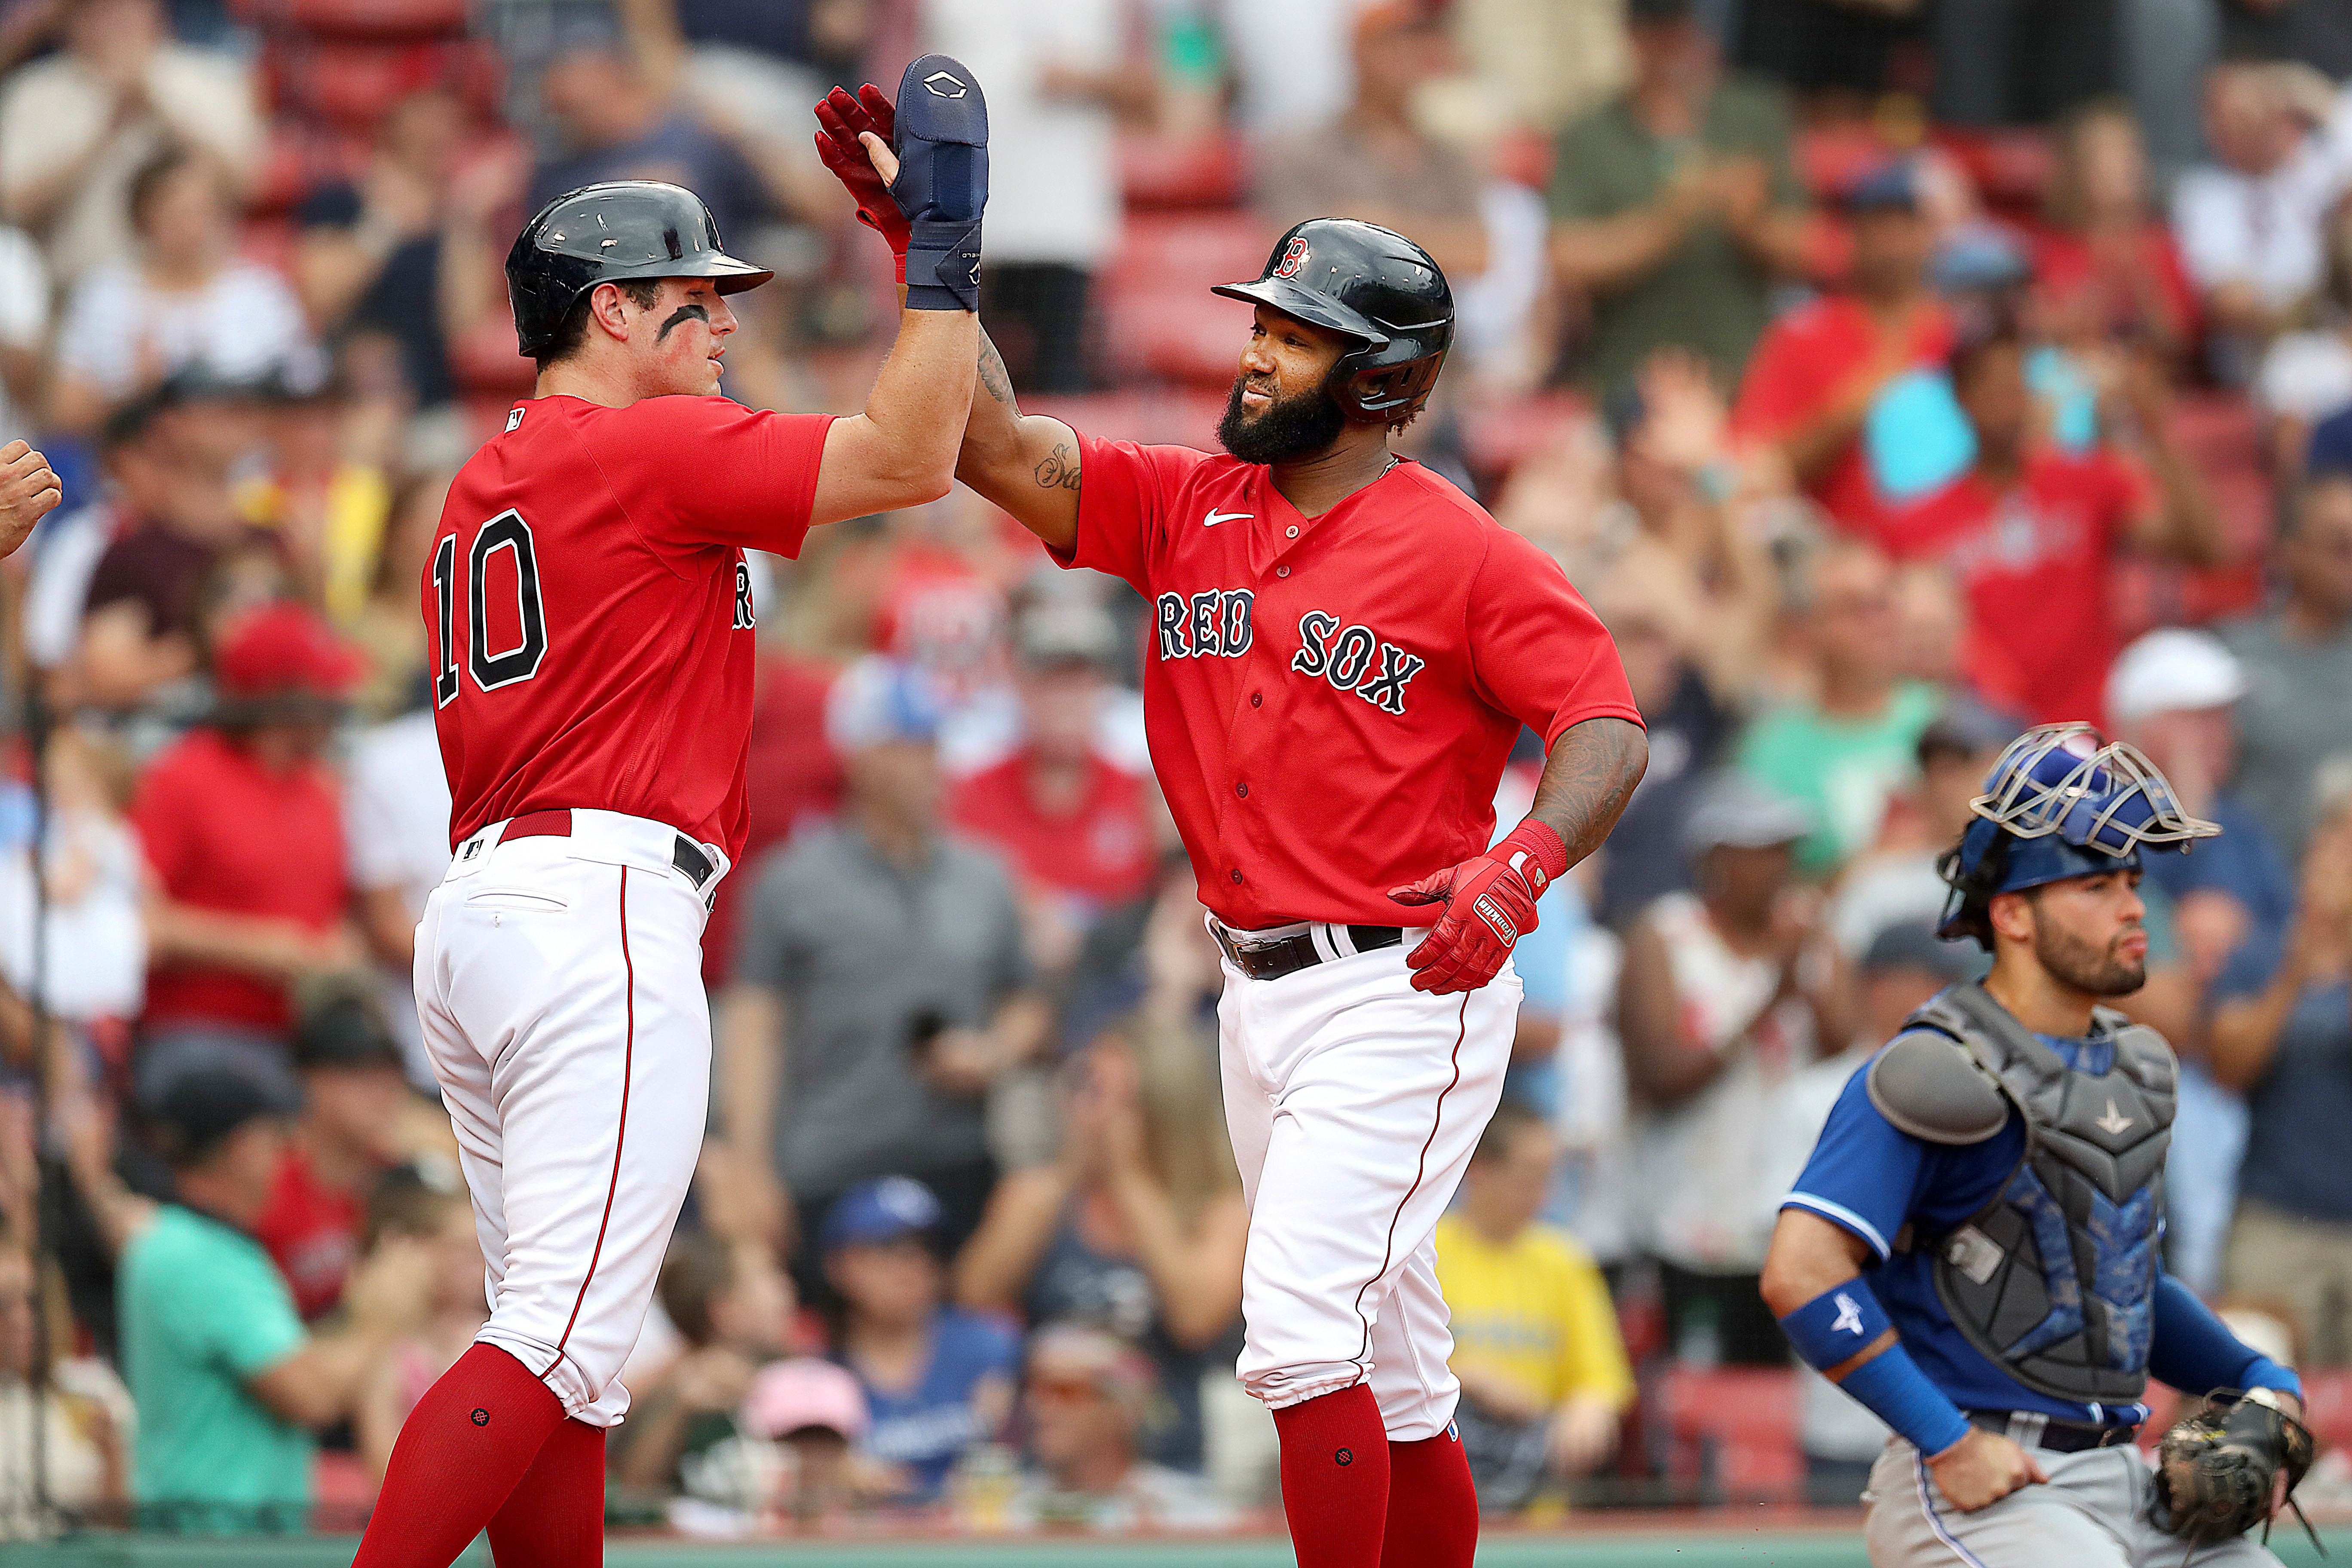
[[371, 19], [1161, 321], [1164, 172], [2327, 1406], [352, 84], [2220, 436], [1733, 1430], [485, 360], [1494, 439], [1176, 418], [2011, 168]]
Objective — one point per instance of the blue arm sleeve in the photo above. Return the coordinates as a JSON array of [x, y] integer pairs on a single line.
[[2193, 1351]]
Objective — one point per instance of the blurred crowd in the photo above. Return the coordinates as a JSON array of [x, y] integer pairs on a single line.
[[1890, 375]]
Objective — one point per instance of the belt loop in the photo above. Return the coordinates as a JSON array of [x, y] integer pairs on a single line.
[[1343, 941]]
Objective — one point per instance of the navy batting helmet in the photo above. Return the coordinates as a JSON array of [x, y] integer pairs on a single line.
[[2056, 805], [1373, 285], [605, 233]]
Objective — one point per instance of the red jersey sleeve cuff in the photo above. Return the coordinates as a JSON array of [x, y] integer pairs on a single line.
[[1566, 718]]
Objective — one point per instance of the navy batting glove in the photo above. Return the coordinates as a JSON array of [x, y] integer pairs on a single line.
[[942, 140]]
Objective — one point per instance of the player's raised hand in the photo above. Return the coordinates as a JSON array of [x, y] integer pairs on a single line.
[[844, 121], [29, 491], [1490, 903], [1981, 1469]]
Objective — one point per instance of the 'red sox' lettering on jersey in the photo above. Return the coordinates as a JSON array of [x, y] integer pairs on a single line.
[[573, 594], [1330, 699]]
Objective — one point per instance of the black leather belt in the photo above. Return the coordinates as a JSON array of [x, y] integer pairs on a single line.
[[1273, 958], [2031, 1429], [686, 854]]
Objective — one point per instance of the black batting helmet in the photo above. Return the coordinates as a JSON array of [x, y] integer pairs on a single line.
[[602, 234], [1375, 286]]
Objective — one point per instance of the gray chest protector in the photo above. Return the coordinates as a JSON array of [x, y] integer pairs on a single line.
[[2054, 1278]]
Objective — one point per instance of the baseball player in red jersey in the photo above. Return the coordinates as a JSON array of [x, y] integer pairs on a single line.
[[1342, 649], [591, 629]]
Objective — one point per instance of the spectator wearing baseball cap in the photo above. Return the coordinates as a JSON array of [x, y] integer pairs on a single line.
[[1896, 880], [881, 989], [936, 1379], [2174, 694], [354, 1128], [228, 1385], [1087, 1393], [1074, 824], [1824, 374], [816, 1410], [242, 824], [1725, 991], [733, 1307]]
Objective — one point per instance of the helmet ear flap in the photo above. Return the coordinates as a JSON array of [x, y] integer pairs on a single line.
[[1390, 393]]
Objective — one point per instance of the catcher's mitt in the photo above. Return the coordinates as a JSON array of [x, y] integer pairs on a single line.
[[2217, 1470]]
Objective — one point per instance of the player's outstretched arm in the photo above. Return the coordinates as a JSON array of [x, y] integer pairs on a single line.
[[920, 177], [1028, 466], [901, 450]]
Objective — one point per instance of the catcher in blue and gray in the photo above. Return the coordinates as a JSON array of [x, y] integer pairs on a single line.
[[1972, 1251]]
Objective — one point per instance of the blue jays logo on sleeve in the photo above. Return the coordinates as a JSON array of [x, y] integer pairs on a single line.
[[1849, 1315], [1354, 659]]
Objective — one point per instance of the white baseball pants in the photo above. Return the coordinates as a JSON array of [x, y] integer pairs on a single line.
[[1354, 1101], [559, 982]]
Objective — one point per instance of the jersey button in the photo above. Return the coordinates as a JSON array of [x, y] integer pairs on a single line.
[[1284, 571], [1258, 698], [1291, 532], [1242, 790], [1238, 873]]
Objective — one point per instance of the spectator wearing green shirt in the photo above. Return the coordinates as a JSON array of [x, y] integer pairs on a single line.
[[1843, 752], [1676, 206], [228, 1385]]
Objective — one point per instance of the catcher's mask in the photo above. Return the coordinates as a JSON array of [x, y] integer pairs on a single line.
[[2057, 804]]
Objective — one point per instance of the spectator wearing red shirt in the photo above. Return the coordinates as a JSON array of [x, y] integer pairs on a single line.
[[2031, 534], [348, 1137], [1820, 370], [242, 824], [1075, 826], [2107, 266]]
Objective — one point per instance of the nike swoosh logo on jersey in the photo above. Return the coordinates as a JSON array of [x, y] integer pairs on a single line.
[[1215, 517]]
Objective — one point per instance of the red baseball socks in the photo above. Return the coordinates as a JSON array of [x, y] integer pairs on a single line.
[[463, 1449], [1335, 1477], [1432, 1506]]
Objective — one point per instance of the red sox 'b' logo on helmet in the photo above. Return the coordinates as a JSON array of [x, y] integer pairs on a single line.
[[1292, 256]]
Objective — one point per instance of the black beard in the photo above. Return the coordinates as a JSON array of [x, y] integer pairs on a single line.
[[2094, 970], [1289, 429]]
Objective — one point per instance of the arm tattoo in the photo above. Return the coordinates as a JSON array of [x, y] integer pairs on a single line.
[[994, 378], [1060, 469], [1587, 781]]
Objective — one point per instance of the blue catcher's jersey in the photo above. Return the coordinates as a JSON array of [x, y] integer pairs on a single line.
[[1872, 1179]]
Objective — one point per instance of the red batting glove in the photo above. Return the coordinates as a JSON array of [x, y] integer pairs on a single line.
[[1490, 903], [843, 117]]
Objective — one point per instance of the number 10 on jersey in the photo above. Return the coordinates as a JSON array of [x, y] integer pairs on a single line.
[[522, 641]]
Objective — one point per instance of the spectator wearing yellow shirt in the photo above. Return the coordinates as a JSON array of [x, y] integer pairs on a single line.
[[1545, 1380]]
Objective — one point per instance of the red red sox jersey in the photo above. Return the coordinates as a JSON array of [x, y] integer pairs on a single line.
[[590, 615], [1330, 699]]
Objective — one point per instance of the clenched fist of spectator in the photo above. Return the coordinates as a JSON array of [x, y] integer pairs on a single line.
[[29, 491]]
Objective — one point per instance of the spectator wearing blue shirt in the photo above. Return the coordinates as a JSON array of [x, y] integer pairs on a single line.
[[1972, 1250], [937, 1380], [2282, 1036]]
